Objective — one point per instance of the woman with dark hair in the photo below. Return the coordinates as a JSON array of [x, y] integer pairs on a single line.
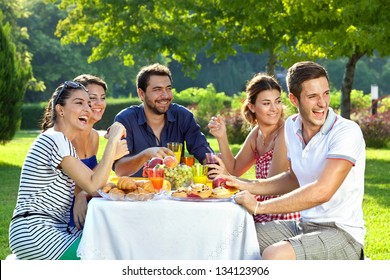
[[86, 142], [39, 227], [264, 145]]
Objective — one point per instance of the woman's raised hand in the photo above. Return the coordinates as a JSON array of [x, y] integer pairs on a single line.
[[217, 126], [116, 131]]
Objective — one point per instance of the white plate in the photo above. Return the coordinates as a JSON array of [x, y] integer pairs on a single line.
[[130, 196], [196, 199]]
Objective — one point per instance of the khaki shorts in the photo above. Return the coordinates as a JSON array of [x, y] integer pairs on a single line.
[[311, 241]]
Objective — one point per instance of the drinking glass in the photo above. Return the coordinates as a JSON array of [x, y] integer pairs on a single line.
[[210, 159], [176, 147], [188, 160], [199, 173], [156, 176]]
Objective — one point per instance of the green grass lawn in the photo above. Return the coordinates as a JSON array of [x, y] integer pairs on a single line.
[[376, 204]]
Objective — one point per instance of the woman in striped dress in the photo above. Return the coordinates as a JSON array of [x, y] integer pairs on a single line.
[[264, 145], [39, 227]]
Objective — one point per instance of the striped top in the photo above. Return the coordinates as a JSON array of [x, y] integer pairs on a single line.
[[46, 194]]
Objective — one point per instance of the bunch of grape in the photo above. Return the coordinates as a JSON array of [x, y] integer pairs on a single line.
[[179, 176]]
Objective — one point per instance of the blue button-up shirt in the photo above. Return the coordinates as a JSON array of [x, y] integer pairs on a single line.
[[180, 126]]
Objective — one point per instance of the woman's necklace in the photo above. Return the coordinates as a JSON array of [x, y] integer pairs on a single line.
[[272, 135]]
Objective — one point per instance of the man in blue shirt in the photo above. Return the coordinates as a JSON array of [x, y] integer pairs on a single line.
[[155, 122]]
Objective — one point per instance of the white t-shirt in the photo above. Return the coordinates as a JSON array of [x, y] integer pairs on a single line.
[[338, 138]]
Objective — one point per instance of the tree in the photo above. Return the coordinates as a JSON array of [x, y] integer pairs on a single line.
[[53, 63], [13, 82], [334, 29], [13, 11], [288, 30], [177, 30]]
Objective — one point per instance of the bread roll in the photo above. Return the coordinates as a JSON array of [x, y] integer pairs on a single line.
[[201, 190], [146, 185], [108, 187], [126, 183], [221, 192]]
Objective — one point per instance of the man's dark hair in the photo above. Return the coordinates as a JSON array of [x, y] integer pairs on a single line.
[[144, 74], [301, 72]]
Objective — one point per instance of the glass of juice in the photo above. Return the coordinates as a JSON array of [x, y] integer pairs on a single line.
[[199, 173], [156, 176], [177, 148], [188, 160], [211, 159]]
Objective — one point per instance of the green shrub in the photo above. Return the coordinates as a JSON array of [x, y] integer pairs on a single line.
[[186, 97], [32, 113], [376, 128], [114, 106], [236, 128], [359, 100], [206, 103], [288, 108]]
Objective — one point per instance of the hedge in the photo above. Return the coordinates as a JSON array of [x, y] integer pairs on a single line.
[[32, 114]]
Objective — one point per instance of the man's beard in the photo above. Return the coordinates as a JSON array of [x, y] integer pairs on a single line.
[[155, 109]]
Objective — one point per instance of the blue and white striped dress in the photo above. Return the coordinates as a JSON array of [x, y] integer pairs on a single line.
[[39, 228]]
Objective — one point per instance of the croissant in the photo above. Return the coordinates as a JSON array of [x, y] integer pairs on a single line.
[[126, 183]]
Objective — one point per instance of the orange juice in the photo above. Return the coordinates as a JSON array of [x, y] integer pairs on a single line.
[[156, 176], [157, 182], [176, 147], [189, 161]]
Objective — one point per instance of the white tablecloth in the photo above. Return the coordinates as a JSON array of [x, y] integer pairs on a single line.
[[167, 229]]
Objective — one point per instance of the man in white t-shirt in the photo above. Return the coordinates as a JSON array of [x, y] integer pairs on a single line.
[[325, 180]]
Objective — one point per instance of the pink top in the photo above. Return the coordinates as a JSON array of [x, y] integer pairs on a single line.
[[262, 167]]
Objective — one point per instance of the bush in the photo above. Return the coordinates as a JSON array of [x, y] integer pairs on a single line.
[[205, 104], [236, 127], [376, 128], [32, 113], [114, 106], [359, 101]]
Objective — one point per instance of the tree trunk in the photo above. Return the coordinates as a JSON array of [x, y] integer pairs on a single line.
[[345, 102], [271, 63]]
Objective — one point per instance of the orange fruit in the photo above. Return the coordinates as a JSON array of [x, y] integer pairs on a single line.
[[166, 186]]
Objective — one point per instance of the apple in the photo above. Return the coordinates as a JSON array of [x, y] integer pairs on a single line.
[[154, 161], [220, 182], [145, 171], [170, 161]]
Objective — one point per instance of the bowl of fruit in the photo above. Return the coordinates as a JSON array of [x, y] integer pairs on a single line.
[[178, 174]]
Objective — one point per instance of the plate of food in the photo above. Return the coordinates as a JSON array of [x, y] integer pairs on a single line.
[[129, 189], [202, 193]]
